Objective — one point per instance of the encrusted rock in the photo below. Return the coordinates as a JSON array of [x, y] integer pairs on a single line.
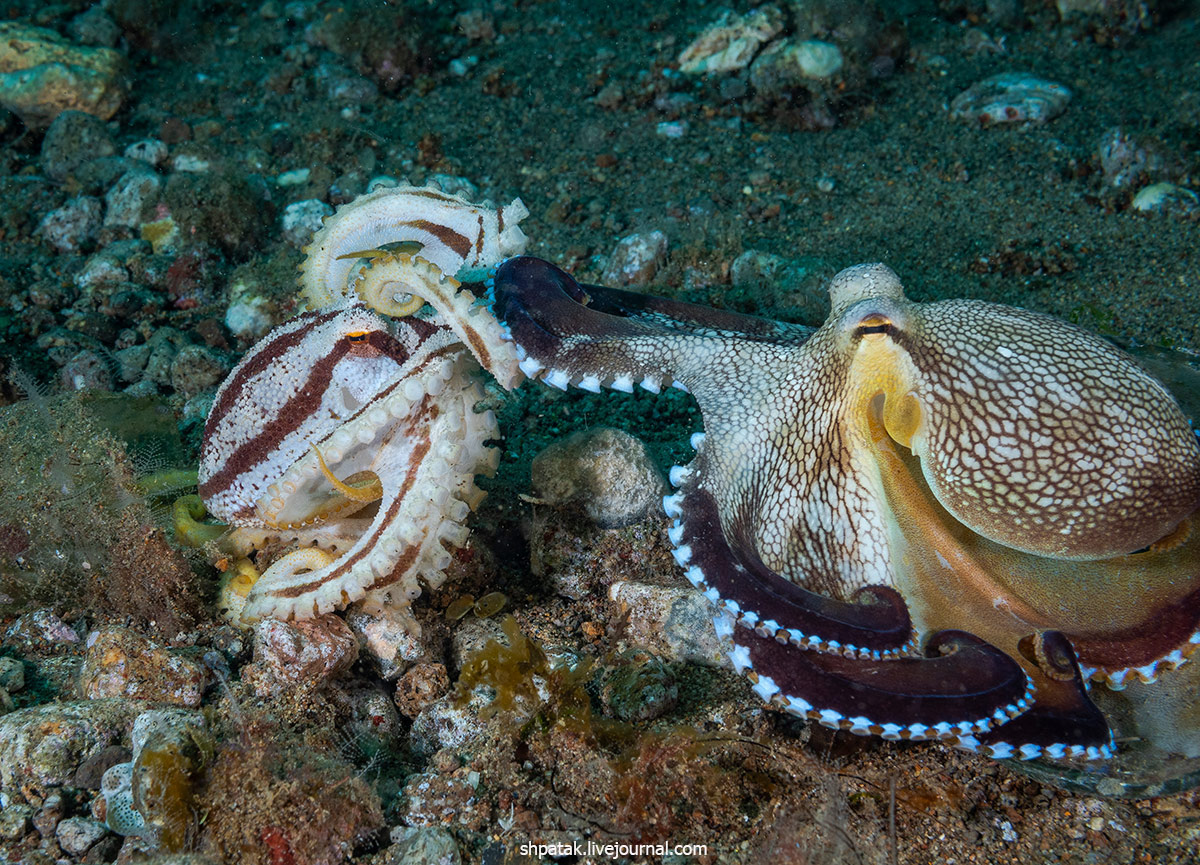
[[12, 675], [447, 723], [74, 225], [53, 809], [422, 845], [730, 43], [40, 631], [636, 259], [387, 637], [43, 75], [73, 140], [606, 470], [471, 636], [639, 688], [102, 268], [86, 370], [1125, 161], [673, 623], [251, 313], [795, 289], [1011, 97], [130, 199], [122, 663], [420, 686], [77, 834], [14, 821], [44, 746], [197, 368], [431, 799], [301, 219], [306, 653]]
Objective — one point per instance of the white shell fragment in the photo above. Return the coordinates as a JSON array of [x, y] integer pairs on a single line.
[[1166, 198], [1011, 97]]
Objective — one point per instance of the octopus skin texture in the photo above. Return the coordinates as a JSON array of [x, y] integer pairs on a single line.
[[919, 521]]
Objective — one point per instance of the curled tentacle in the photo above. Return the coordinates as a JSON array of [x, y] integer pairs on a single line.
[[875, 624]]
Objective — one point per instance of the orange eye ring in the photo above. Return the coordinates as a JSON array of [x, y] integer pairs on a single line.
[[358, 335]]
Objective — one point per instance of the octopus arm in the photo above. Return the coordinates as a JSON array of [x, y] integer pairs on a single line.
[[590, 336], [875, 624], [962, 688], [1063, 721]]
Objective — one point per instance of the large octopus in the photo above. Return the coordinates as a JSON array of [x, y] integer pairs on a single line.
[[348, 435], [920, 521]]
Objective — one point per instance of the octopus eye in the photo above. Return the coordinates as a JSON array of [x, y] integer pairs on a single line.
[[875, 322], [358, 336]]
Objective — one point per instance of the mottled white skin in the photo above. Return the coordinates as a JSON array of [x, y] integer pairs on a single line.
[[395, 407]]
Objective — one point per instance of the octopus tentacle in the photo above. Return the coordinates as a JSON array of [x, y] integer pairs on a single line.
[[562, 340], [1062, 722], [961, 687], [392, 282], [418, 515], [454, 233], [875, 624]]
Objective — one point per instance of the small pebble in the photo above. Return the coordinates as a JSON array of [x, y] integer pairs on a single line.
[[636, 259], [250, 316], [191, 163], [132, 196], [295, 177], [74, 225], [77, 834], [302, 218], [1011, 97], [389, 639], [1166, 198], [307, 653], [420, 686], [148, 150], [671, 128]]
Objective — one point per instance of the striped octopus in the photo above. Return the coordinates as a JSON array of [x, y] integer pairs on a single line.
[[919, 521], [348, 435]]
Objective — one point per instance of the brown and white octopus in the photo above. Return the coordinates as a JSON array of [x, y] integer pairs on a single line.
[[919, 521], [350, 431]]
